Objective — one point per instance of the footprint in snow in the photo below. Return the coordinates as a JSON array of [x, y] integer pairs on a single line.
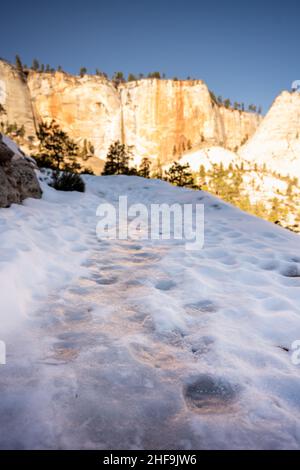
[[105, 281], [203, 306], [144, 257], [293, 270], [159, 359], [165, 284], [209, 394]]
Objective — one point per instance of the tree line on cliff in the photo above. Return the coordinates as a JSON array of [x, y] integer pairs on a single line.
[[119, 77]]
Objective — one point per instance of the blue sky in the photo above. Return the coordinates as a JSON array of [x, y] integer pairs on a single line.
[[247, 51]]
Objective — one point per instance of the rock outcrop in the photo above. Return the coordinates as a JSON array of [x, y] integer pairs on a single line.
[[277, 140], [17, 176]]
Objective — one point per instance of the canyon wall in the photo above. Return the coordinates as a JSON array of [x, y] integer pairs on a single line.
[[277, 141], [157, 118], [85, 107], [15, 98], [160, 119], [164, 118]]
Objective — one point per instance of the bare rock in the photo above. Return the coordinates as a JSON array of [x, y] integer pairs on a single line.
[[17, 176], [6, 153]]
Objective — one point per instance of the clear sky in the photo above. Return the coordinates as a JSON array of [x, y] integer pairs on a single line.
[[245, 50]]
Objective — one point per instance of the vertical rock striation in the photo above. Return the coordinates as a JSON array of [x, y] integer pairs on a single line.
[[85, 107], [160, 119], [15, 98]]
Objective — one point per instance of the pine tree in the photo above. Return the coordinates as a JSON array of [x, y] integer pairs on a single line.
[[18, 63], [213, 97], [158, 172], [35, 65], [154, 75], [117, 160], [180, 175], [87, 151], [131, 78], [289, 190], [227, 103], [82, 71], [56, 149], [202, 172], [118, 77], [273, 215], [144, 169]]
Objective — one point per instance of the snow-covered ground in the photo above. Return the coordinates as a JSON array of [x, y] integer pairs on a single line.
[[143, 344], [210, 156]]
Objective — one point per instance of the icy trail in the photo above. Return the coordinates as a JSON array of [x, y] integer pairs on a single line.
[[148, 345]]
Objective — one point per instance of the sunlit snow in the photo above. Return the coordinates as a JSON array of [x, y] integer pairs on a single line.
[[141, 343]]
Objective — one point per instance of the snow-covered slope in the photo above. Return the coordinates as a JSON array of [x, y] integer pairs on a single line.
[[277, 140], [263, 191], [209, 156], [143, 344]]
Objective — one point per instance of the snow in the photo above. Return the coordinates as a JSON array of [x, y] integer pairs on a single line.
[[12, 145], [42, 246], [208, 156], [142, 343]]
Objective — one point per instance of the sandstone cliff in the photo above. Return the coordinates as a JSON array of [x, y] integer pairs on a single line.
[[277, 141], [15, 98], [164, 118], [86, 107], [158, 118]]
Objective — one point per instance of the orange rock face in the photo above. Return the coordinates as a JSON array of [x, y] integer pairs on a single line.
[[160, 119], [164, 118], [85, 107]]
